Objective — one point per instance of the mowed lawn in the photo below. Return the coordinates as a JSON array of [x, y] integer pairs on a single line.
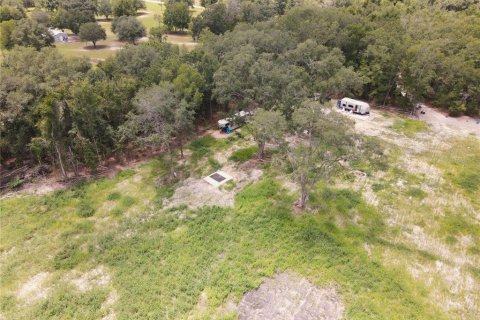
[[106, 48]]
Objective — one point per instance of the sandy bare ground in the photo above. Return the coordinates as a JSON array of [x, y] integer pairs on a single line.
[[442, 122], [196, 193], [34, 289], [290, 297]]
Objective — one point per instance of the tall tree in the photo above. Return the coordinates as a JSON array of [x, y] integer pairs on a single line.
[[10, 13], [126, 7], [128, 28], [54, 124], [267, 126], [190, 85], [6, 30], [161, 119], [29, 33], [177, 16], [92, 31], [105, 8], [323, 141]]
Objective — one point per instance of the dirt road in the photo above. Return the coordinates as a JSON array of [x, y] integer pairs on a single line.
[[440, 121]]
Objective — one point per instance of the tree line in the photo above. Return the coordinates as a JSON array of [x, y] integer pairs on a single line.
[[68, 113]]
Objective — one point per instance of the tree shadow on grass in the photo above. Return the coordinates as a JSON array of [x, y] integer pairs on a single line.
[[98, 47]]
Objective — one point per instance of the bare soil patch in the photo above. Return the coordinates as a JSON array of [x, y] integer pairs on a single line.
[[290, 297], [97, 277], [442, 122], [196, 193], [34, 289]]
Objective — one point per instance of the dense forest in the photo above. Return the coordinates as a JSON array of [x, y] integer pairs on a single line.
[[252, 54]]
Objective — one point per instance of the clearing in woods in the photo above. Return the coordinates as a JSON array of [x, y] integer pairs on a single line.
[[400, 242]]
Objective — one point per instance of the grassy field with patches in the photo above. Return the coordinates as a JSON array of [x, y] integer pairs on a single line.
[[400, 243]]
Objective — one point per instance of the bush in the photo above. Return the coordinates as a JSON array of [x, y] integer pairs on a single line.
[[128, 201], [85, 209], [68, 257], [242, 155], [117, 211], [201, 147], [126, 173], [114, 196], [15, 183], [457, 110], [214, 164]]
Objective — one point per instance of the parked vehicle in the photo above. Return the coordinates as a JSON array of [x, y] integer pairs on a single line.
[[232, 123], [355, 106]]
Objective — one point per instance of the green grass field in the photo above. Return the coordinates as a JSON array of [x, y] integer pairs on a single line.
[[356, 236]]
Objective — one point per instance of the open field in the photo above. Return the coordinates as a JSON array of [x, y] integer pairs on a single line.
[[400, 243], [106, 48]]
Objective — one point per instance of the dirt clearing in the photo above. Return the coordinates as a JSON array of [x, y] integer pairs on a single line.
[[197, 193], [290, 297], [442, 122]]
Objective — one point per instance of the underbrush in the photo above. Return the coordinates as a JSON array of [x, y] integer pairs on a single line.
[[244, 154]]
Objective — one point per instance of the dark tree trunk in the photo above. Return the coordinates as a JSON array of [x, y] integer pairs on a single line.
[[303, 198], [181, 148], [261, 150], [172, 169], [60, 161]]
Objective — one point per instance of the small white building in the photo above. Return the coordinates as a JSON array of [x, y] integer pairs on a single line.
[[352, 105], [58, 35]]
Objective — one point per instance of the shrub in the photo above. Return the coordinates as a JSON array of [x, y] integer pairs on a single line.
[[15, 183], [214, 163], [114, 196], [128, 201], [126, 173], [117, 211], [242, 155], [201, 147], [457, 110], [85, 209], [68, 257]]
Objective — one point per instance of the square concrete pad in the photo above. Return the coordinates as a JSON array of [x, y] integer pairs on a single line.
[[218, 178]]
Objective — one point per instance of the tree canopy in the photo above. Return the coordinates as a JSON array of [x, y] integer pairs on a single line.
[[92, 31], [128, 28], [176, 16]]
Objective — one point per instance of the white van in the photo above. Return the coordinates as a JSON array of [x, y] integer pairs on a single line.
[[352, 105]]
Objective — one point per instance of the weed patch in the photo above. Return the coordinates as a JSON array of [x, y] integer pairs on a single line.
[[114, 196], [85, 210], [68, 257], [409, 126], [245, 154]]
